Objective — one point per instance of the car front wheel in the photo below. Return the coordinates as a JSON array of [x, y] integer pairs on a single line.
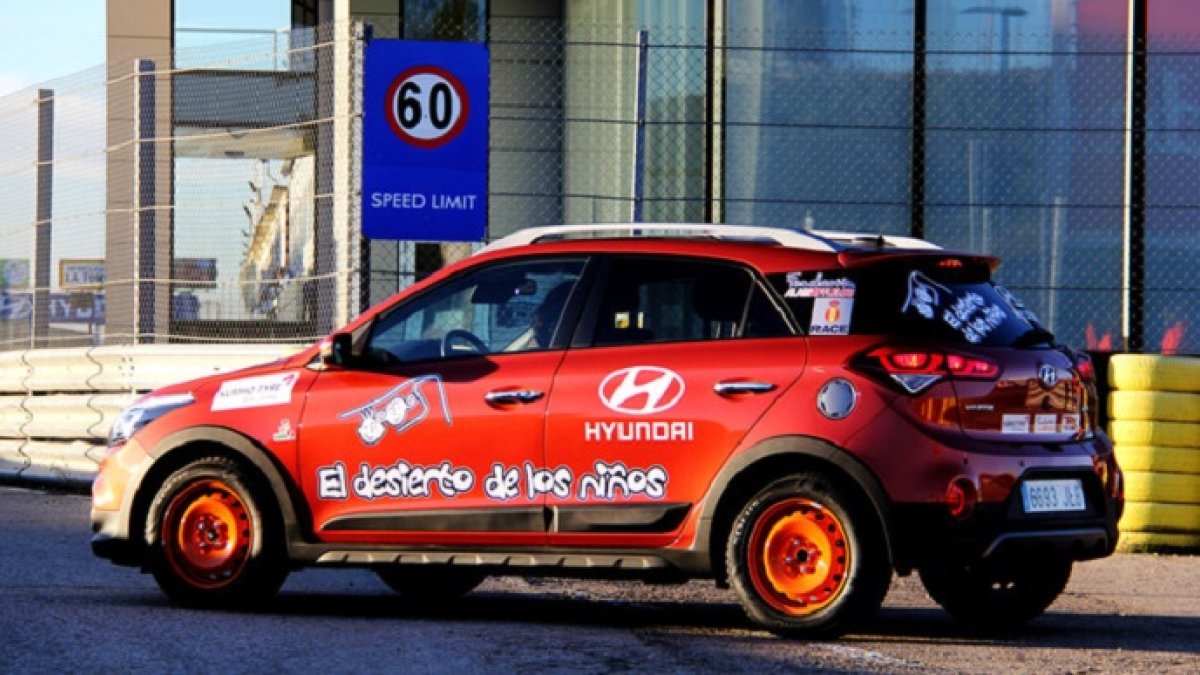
[[212, 544], [807, 559]]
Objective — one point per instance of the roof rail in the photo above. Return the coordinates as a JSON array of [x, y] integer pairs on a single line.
[[812, 240]]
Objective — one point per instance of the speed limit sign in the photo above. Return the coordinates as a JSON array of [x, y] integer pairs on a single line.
[[425, 151], [427, 106]]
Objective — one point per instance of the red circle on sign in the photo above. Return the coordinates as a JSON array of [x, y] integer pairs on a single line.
[[390, 112]]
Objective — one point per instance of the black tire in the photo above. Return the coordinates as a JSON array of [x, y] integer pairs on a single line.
[[215, 566], [807, 531], [433, 583], [996, 596]]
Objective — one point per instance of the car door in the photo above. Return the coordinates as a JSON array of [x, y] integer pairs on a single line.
[[684, 356], [444, 393]]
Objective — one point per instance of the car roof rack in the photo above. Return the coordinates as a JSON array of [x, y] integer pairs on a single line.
[[811, 240]]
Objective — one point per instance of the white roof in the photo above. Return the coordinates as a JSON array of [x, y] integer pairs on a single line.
[[812, 240]]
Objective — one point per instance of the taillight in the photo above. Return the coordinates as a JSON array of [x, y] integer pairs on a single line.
[[1083, 366], [917, 369]]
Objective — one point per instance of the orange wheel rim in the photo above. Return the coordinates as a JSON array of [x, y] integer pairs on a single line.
[[206, 534], [798, 556]]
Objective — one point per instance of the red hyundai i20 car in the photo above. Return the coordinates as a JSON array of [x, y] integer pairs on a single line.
[[794, 414]]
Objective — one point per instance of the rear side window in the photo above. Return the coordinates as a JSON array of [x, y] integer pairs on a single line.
[[669, 300], [922, 302]]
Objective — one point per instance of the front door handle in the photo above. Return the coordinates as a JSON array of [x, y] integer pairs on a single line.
[[512, 396], [733, 388]]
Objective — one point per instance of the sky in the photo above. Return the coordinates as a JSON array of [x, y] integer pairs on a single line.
[[31, 56]]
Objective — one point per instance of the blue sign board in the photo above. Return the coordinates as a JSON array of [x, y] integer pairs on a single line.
[[425, 141]]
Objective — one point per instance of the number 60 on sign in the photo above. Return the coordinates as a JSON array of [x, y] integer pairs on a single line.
[[427, 106]]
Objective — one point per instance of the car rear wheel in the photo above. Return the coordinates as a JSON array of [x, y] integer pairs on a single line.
[[431, 583], [212, 543], [996, 596], [806, 559]]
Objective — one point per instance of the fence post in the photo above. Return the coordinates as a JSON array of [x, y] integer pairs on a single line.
[[916, 176], [1133, 295], [144, 166], [639, 129], [43, 228]]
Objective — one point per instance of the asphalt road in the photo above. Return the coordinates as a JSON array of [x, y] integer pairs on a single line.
[[63, 610]]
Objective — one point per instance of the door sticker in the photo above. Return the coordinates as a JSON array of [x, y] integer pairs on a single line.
[[401, 407], [401, 480]]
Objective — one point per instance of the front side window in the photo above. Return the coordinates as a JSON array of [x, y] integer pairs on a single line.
[[513, 307], [665, 300]]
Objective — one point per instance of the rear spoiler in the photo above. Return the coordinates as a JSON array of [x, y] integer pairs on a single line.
[[950, 260]]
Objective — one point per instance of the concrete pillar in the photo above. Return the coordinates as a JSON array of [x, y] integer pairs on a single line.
[[137, 29]]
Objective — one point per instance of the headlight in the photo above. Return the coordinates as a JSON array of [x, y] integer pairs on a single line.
[[144, 412]]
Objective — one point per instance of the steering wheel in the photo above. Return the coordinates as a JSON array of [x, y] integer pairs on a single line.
[[463, 336]]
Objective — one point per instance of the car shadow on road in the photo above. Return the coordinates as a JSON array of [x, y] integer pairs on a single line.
[[897, 625]]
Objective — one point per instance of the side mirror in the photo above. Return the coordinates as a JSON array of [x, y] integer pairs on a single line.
[[338, 351]]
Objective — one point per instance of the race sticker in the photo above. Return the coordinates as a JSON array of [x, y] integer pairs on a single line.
[[831, 316], [255, 392], [817, 287], [1015, 424], [1070, 423], [1045, 424]]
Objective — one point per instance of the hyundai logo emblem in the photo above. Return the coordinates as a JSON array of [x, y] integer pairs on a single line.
[[1047, 375], [641, 390]]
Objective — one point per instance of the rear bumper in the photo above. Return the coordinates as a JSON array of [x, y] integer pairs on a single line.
[[1002, 531]]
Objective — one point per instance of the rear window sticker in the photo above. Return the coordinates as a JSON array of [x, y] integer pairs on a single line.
[[1015, 424], [968, 314], [924, 295], [973, 317], [401, 407], [818, 287], [1045, 424], [255, 392], [831, 316]]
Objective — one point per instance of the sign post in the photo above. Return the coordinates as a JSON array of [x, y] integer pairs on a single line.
[[425, 141]]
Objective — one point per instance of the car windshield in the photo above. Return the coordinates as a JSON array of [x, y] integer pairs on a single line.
[[940, 300]]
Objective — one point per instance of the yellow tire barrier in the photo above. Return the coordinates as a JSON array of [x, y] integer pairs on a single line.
[[1163, 488], [1152, 517], [1141, 432], [1158, 459], [1136, 542], [1165, 406], [1147, 372]]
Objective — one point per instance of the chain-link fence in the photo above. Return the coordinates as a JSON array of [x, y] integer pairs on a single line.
[[217, 199]]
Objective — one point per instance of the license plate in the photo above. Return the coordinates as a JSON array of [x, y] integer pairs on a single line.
[[1047, 496]]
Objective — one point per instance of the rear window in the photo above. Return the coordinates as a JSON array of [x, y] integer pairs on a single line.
[[925, 302]]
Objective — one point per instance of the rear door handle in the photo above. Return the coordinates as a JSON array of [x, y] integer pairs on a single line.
[[732, 388], [512, 396]]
